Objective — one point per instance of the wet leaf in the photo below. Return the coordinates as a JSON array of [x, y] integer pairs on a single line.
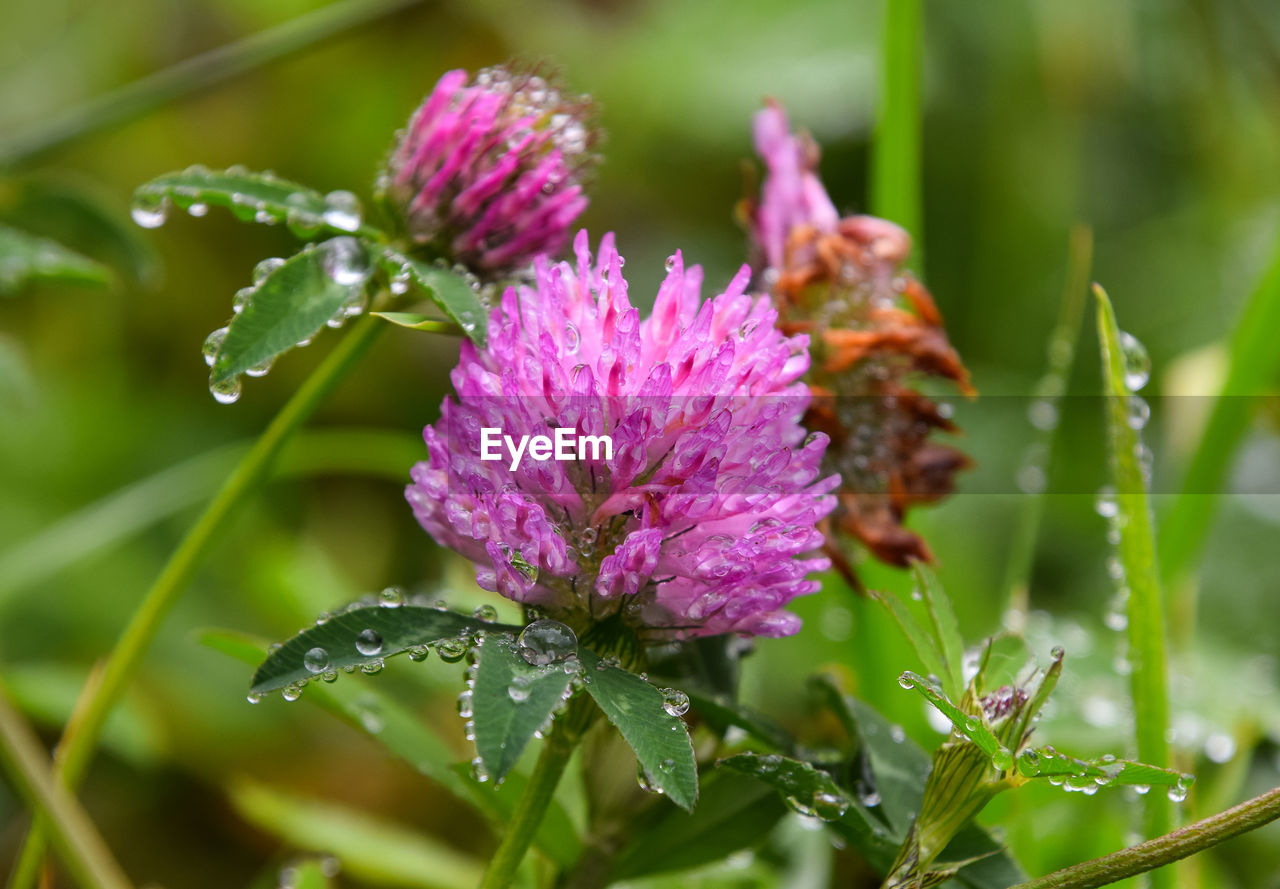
[[660, 741], [511, 700], [450, 291]]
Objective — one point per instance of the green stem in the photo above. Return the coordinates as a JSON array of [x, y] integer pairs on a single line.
[[82, 850], [895, 154], [196, 73], [77, 745], [556, 752], [1165, 849]]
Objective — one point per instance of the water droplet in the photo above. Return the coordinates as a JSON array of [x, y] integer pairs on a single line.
[[226, 392], [486, 613], [519, 689], [1042, 413], [906, 681], [1002, 759], [453, 649], [342, 211], [345, 261], [1106, 505], [373, 667], [1057, 652], [830, 806], [293, 691], [198, 209], [572, 338], [266, 267], [212, 343], [419, 653], [1178, 792], [150, 212], [671, 263], [1138, 412], [391, 597], [1137, 364], [547, 642], [369, 642], [254, 697], [674, 701], [478, 771], [316, 660]]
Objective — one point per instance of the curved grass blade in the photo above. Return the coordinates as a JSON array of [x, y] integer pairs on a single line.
[[661, 741], [294, 302], [361, 637], [450, 291], [28, 259], [1254, 366], [511, 700], [1137, 552], [973, 727], [251, 197]]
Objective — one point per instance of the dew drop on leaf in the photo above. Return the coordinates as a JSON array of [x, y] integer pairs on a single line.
[[316, 660], [1137, 364], [369, 642], [547, 642]]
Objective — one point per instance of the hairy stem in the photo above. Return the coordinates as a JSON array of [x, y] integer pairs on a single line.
[[196, 73], [77, 745], [72, 833], [1165, 849]]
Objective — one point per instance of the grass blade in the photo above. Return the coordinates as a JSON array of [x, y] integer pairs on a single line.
[[1254, 366], [72, 833], [895, 155], [1137, 551]]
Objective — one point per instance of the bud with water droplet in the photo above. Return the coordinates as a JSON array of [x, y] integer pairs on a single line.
[[490, 172]]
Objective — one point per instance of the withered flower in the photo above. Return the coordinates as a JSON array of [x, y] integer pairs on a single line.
[[875, 330]]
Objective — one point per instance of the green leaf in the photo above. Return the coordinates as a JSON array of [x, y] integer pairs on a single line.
[[450, 291], [972, 726], [371, 849], [946, 629], [813, 792], [1149, 678], [70, 213], [366, 708], [309, 874], [511, 700], [721, 713], [291, 304], [922, 639], [734, 811], [251, 197], [660, 741], [362, 637], [1046, 762], [28, 259], [416, 321]]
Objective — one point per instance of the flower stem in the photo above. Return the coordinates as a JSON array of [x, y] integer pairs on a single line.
[[531, 808], [75, 750], [1165, 849], [85, 854]]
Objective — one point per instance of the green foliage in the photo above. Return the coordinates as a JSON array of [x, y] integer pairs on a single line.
[[935, 636], [27, 259], [251, 197], [416, 321], [455, 295], [511, 700], [371, 849], [290, 305], [1137, 553], [659, 739], [362, 638], [734, 811]]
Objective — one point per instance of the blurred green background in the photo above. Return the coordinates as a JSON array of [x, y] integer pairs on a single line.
[[1157, 123]]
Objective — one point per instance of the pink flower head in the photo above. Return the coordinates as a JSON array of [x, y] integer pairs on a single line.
[[491, 170], [698, 521]]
